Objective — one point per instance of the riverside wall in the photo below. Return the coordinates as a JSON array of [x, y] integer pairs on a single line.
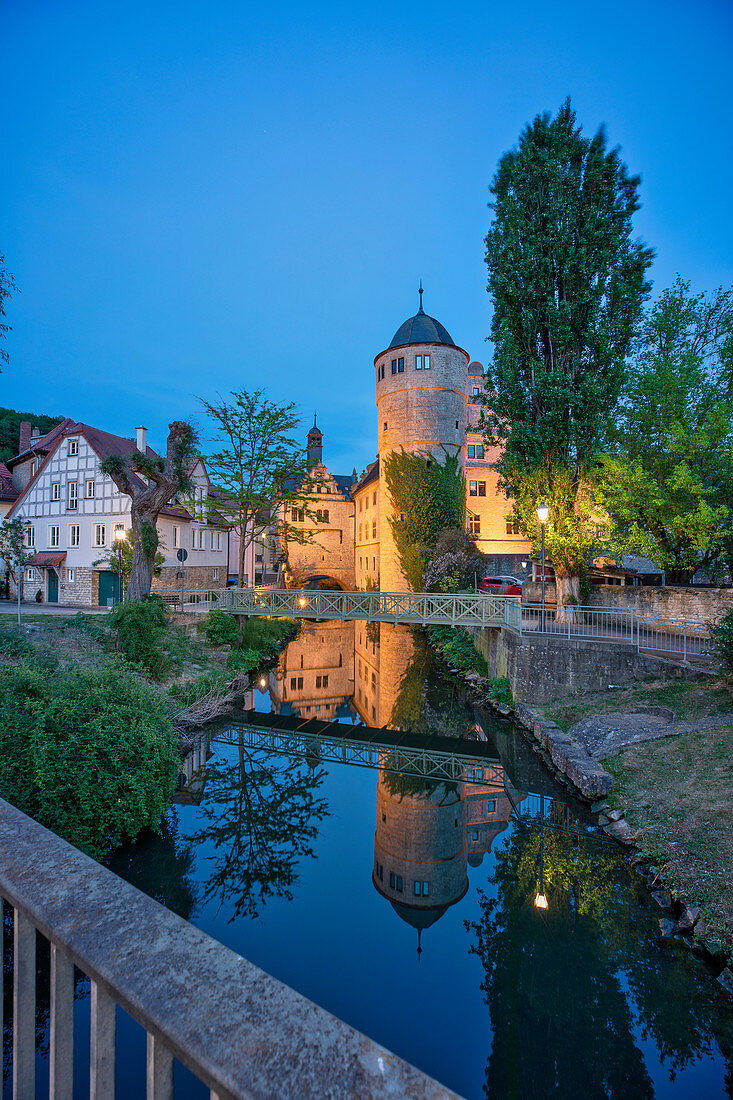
[[543, 668], [690, 602]]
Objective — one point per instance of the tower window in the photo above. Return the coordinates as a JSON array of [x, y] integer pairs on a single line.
[[472, 489], [382, 370], [385, 425], [400, 366], [456, 423], [418, 362], [394, 366], [471, 450], [481, 490], [474, 392], [479, 450], [426, 362], [512, 528], [474, 525]]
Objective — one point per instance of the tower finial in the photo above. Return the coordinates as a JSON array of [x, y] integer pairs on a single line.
[[315, 422], [419, 948], [420, 292]]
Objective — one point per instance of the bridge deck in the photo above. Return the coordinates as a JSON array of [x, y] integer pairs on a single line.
[[423, 608]]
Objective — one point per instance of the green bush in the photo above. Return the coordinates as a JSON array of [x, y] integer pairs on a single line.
[[722, 636], [245, 658], [457, 649], [14, 644], [90, 754], [221, 628], [140, 628], [500, 691]]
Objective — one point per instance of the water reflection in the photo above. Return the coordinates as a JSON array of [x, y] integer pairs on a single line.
[[581, 999]]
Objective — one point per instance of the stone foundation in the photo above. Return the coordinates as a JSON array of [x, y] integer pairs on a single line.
[[546, 668], [199, 578]]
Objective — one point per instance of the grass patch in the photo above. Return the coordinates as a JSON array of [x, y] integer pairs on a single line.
[[688, 699], [677, 795]]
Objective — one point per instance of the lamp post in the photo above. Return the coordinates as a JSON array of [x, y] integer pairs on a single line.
[[542, 513], [119, 536]]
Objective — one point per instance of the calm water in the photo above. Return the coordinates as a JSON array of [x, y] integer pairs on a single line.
[[312, 871]]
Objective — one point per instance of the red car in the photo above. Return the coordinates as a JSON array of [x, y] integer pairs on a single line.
[[501, 586]]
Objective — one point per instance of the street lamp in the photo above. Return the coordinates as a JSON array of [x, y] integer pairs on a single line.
[[542, 513], [118, 537]]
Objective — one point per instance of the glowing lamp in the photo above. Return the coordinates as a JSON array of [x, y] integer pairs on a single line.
[[263, 682], [542, 512], [302, 601], [540, 901]]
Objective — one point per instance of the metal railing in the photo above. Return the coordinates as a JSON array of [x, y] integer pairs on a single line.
[[192, 601], [239, 1030], [424, 608], [644, 632]]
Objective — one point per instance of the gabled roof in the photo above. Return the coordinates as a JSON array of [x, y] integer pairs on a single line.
[[7, 489], [104, 444], [45, 443], [345, 483]]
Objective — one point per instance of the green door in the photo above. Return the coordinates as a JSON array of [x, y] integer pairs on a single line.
[[108, 589], [53, 586]]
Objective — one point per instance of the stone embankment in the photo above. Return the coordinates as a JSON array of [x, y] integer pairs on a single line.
[[573, 756]]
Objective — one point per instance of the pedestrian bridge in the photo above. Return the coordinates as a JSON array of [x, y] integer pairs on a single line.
[[423, 608]]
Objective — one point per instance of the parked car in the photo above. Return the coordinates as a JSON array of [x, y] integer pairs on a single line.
[[501, 586]]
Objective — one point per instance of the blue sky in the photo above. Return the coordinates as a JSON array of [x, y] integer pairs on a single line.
[[200, 198]]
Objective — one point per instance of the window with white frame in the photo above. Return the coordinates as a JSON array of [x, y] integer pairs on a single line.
[[176, 535], [100, 534], [53, 535], [30, 575], [89, 488], [56, 490], [70, 576], [202, 537], [34, 467], [215, 574], [218, 540], [30, 535], [72, 495], [73, 446], [74, 534], [193, 538]]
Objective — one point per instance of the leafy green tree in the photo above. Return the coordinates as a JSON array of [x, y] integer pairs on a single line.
[[151, 482], [7, 286], [668, 482], [14, 551], [568, 284], [260, 469], [427, 497], [121, 556]]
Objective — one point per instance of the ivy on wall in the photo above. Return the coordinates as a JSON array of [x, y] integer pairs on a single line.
[[427, 496]]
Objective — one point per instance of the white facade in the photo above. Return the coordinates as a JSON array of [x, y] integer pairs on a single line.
[[74, 511]]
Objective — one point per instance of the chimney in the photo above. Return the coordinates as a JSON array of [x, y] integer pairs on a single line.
[[25, 436], [35, 434], [142, 443]]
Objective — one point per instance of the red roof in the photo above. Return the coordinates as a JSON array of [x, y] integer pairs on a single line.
[[47, 557], [7, 489], [45, 443]]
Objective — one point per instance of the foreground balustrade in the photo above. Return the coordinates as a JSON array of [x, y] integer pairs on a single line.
[[239, 1030]]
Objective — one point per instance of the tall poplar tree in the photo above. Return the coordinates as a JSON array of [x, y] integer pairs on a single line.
[[568, 284]]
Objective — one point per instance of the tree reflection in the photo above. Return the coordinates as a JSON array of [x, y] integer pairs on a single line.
[[568, 986], [261, 820], [161, 865]]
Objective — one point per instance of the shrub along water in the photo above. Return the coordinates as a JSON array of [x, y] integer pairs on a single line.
[[91, 754], [140, 628]]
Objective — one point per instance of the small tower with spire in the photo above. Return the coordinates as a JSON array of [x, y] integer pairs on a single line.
[[315, 444]]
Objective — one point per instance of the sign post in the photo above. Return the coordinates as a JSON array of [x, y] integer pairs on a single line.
[[182, 555]]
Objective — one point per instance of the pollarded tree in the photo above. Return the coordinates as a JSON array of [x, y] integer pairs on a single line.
[[568, 285], [668, 480], [151, 482]]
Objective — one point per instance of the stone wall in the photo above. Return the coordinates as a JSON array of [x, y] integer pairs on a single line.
[[692, 603], [541, 669], [199, 578]]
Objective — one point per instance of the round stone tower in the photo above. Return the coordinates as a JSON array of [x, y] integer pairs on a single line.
[[421, 383]]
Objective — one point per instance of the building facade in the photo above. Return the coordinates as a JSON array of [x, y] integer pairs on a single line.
[[74, 511]]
